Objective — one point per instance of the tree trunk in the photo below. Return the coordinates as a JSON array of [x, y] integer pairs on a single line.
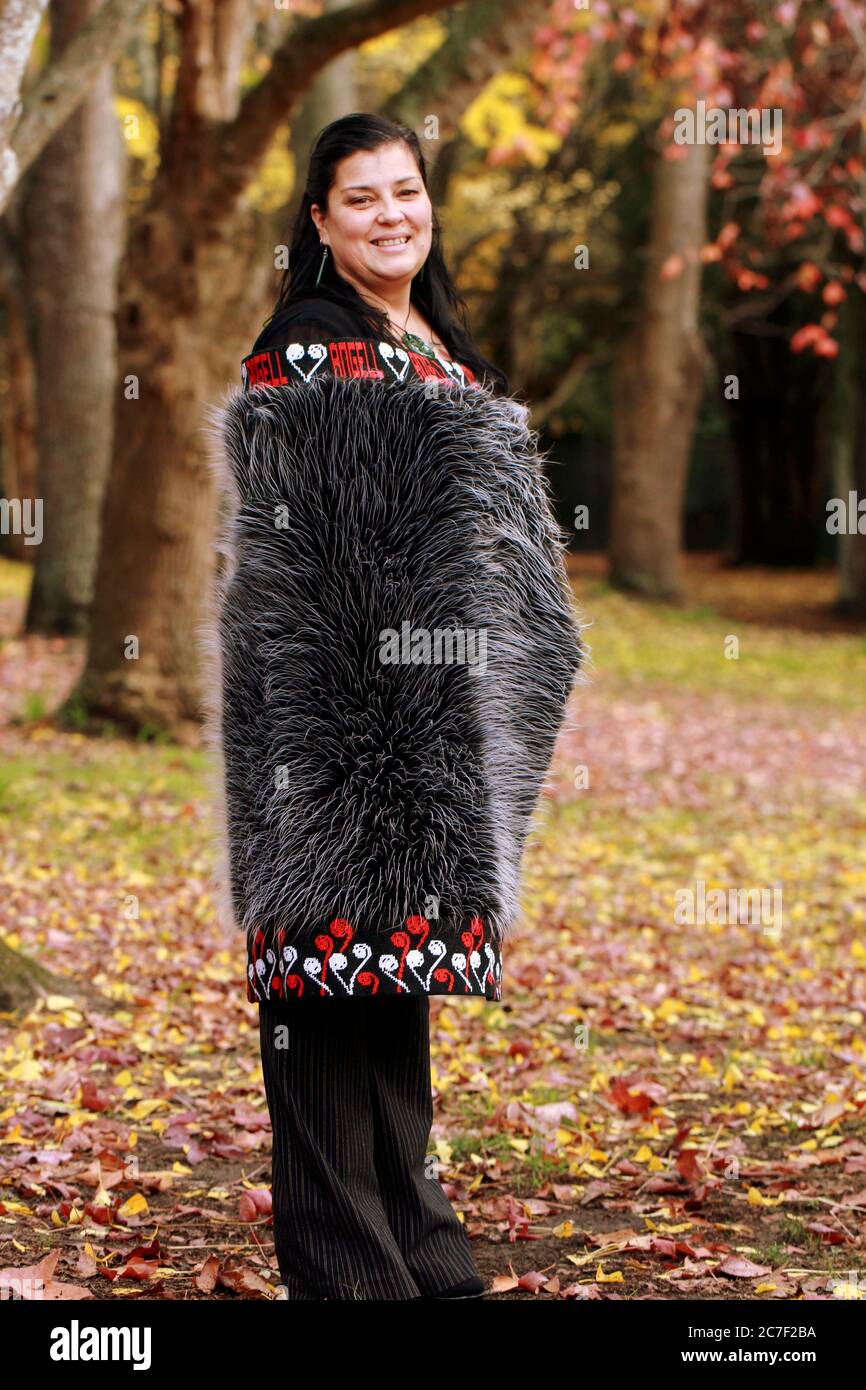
[[17, 419], [849, 450], [657, 385], [156, 557], [23, 980], [73, 221]]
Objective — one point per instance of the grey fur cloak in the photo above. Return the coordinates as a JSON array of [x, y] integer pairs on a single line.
[[392, 645]]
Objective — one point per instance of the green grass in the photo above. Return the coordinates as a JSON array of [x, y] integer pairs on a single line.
[[90, 792], [635, 643]]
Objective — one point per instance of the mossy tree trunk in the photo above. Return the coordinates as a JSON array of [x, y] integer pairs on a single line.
[[23, 980]]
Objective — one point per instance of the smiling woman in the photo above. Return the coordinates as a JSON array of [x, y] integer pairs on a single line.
[[379, 230], [367, 247], [380, 485]]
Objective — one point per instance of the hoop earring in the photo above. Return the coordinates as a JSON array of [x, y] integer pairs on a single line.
[[322, 263]]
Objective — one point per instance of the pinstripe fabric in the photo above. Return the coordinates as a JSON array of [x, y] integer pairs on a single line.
[[351, 1109]]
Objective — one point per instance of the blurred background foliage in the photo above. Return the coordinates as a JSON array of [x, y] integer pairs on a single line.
[[687, 323]]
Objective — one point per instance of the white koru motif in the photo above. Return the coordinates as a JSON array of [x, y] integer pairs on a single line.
[[388, 352], [296, 352], [454, 370]]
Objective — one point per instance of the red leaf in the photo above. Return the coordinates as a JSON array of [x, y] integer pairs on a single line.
[[671, 268], [740, 1268], [207, 1276], [37, 1282], [810, 333], [826, 347], [687, 1164], [91, 1097], [629, 1104]]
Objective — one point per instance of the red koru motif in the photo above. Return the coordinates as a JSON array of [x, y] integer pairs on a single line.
[[419, 962]]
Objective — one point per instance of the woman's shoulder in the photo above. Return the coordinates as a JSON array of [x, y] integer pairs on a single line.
[[307, 314]]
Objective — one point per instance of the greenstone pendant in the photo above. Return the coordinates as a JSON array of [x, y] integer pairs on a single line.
[[416, 344]]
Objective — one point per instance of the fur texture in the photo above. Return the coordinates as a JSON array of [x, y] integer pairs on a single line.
[[353, 788]]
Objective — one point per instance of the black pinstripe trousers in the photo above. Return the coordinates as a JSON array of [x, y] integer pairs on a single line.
[[357, 1212]]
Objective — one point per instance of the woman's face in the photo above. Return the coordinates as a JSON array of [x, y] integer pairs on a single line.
[[379, 219]]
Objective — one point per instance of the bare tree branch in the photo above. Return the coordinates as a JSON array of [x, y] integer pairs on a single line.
[[568, 382], [309, 45], [483, 38], [65, 84], [19, 25], [214, 34]]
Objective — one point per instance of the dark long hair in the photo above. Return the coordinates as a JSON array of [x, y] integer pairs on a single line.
[[433, 292]]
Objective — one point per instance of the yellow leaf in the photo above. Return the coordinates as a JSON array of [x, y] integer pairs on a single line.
[[146, 1107], [28, 1070], [614, 1278], [123, 1078], [134, 1206], [564, 1230], [56, 1003], [669, 1007]]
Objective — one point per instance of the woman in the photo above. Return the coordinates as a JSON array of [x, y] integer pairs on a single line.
[[395, 646]]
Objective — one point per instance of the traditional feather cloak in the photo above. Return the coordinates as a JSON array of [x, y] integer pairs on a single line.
[[392, 646]]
